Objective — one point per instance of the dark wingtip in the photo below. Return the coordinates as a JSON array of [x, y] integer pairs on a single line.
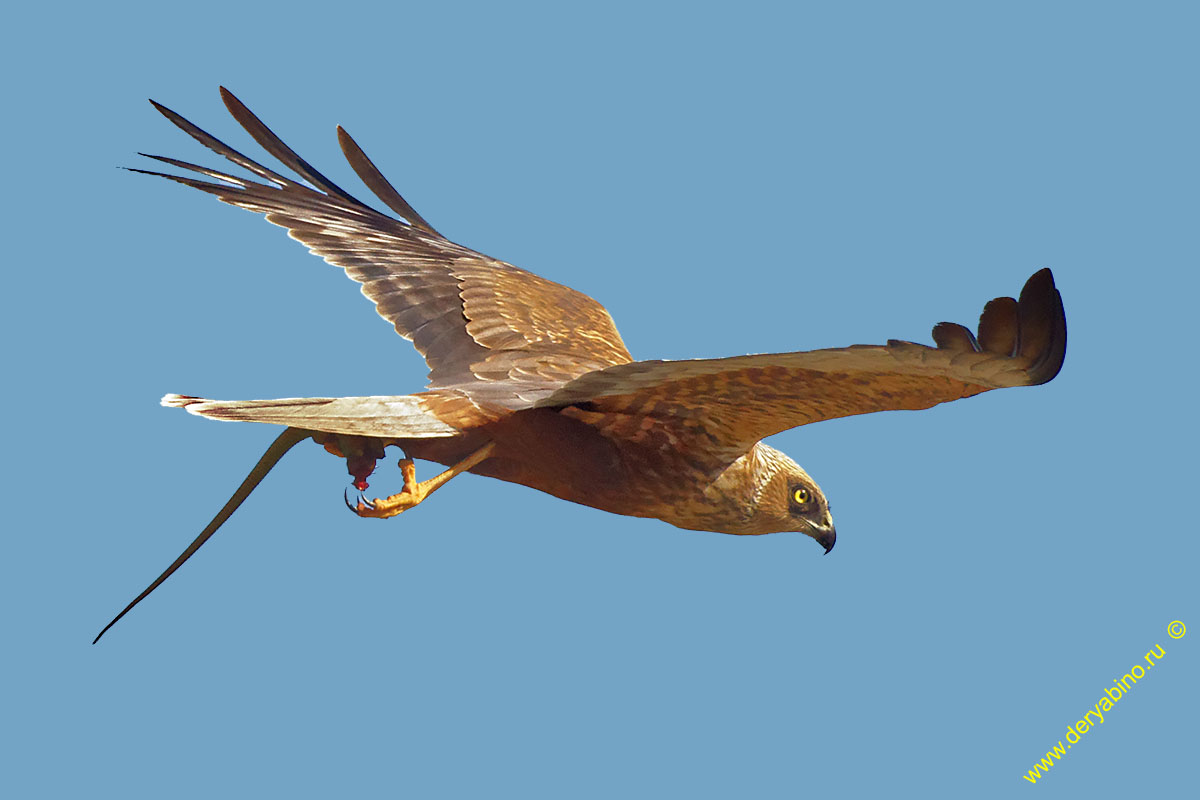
[[230, 99], [270, 142], [1043, 322], [952, 336], [999, 327], [370, 175], [160, 108]]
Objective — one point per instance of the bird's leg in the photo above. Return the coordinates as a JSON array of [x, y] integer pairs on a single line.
[[413, 492]]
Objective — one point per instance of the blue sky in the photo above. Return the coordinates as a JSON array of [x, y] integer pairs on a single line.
[[770, 179]]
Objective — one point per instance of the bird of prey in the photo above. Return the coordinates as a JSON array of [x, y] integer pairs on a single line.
[[529, 381]]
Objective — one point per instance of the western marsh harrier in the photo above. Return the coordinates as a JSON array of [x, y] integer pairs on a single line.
[[529, 381]]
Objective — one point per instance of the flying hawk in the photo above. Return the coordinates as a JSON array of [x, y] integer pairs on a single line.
[[529, 381]]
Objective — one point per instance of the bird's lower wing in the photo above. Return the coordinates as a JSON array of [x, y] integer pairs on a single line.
[[417, 416], [730, 403]]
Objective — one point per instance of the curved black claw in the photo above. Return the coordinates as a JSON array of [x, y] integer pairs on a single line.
[[362, 501]]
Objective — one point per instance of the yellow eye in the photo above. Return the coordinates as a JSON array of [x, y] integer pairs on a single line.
[[801, 496]]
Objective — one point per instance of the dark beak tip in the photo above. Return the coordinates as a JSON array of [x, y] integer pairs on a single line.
[[827, 540]]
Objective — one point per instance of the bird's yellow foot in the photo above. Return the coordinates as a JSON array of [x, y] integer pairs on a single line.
[[413, 492]]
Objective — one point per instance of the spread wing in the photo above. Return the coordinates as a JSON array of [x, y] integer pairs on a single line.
[[721, 407], [495, 331]]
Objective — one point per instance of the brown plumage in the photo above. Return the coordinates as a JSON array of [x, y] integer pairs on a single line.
[[529, 381]]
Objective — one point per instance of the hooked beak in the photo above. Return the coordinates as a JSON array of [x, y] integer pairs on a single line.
[[825, 534]]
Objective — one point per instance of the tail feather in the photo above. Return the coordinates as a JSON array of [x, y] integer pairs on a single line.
[[401, 417]]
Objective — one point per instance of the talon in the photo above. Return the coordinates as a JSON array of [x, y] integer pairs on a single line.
[[413, 492], [361, 505]]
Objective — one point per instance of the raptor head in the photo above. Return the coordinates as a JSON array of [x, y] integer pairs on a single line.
[[774, 494]]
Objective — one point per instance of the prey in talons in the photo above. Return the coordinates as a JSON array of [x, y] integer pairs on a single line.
[[413, 492]]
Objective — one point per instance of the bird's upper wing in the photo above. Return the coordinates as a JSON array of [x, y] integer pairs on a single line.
[[495, 331], [728, 404]]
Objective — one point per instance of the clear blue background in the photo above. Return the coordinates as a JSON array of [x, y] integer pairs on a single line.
[[726, 180]]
